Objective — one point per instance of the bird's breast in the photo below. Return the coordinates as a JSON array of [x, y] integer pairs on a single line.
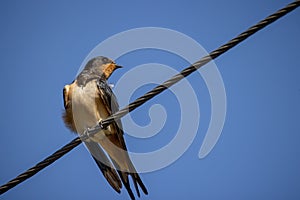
[[85, 107]]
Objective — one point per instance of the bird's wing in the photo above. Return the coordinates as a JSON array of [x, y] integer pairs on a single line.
[[112, 106], [67, 114], [104, 165], [109, 99]]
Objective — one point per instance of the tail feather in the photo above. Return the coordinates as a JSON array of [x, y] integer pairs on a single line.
[[137, 181], [122, 162], [135, 185], [135, 178], [125, 181]]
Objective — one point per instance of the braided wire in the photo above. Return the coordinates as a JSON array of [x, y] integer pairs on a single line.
[[187, 71], [41, 165], [149, 95]]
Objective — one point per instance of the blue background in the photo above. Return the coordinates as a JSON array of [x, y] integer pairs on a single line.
[[257, 157]]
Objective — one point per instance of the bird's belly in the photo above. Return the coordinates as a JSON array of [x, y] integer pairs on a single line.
[[86, 113]]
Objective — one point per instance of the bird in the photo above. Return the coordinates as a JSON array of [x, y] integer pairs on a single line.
[[88, 100]]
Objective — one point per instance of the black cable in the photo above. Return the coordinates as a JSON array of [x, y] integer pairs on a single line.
[[187, 71], [41, 165], [157, 90]]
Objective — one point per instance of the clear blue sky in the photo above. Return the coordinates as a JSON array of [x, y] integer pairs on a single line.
[[257, 157]]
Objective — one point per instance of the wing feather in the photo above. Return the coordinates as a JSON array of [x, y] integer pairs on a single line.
[[110, 100], [104, 165]]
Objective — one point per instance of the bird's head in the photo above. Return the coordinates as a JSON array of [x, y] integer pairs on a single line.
[[101, 66]]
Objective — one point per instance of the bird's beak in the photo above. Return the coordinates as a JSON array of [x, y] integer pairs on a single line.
[[119, 66]]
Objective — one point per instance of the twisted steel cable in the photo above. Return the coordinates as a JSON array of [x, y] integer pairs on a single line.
[[149, 95], [187, 71], [41, 165]]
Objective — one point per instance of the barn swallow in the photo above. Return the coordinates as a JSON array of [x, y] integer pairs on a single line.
[[88, 100]]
